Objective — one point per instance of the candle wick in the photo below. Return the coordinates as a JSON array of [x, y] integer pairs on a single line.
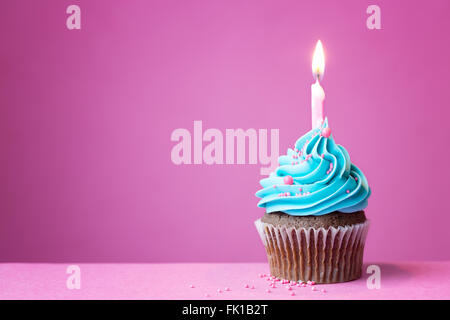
[[317, 76]]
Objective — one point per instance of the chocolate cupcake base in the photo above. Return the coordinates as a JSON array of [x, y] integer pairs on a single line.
[[321, 249]]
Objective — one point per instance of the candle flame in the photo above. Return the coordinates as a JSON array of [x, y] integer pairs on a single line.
[[318, 62]]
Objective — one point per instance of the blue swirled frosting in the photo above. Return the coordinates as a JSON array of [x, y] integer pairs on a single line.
[[324, 179]]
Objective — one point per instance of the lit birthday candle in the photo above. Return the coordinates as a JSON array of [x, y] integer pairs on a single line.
[[317, 93]]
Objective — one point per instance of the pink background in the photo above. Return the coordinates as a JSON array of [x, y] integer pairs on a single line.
[[86, 118]]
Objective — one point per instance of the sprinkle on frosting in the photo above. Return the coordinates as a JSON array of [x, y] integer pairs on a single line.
[[326, 132], [288, 180]]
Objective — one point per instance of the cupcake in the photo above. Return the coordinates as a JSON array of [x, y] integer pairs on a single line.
[[314, 227]]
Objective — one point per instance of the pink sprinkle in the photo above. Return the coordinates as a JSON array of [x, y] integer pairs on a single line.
[[246, 286], [288, 179], [206, 294], [252, 287], [288, 287], [300, 189], [227, 289], [348, 191], [356, 178], [303, 284], [292, 293], [219, 291], [273, 285], [276, 279], [326, 132], [323, 155], [324, 291], [313, 283], [313, 289], [191, 286], [308, 282], [268, 291], [274, 186]]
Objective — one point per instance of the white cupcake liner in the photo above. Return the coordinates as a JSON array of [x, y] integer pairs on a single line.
[[310, 254]]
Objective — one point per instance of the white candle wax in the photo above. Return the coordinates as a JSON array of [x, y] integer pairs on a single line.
[[317, 93], [317, 97]]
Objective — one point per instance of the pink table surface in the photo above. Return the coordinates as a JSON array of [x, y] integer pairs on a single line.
[[399, 280]]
